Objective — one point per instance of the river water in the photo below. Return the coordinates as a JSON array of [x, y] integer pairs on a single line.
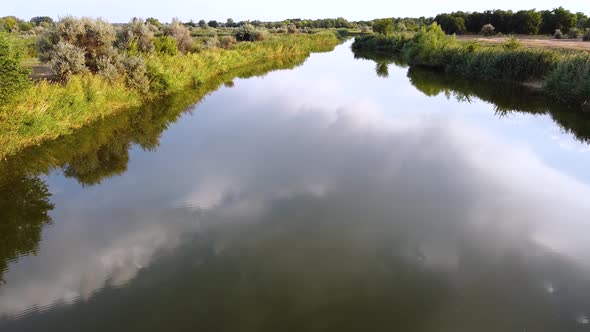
[[349, 193]]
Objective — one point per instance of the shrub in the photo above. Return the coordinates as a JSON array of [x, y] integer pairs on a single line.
[[383, 26], [95, 37], [429, 46], [245, 33], [365, 29], [159, 82], [165, 45], [291, 28], [108, 68], [13, 78], [574, 33], [227, 42], [67, 60], [586, 36], [511, 44], [558, 34], [260, 35], [487, 30], [137, 36], [136, 73], [184, 40], [211, 42]]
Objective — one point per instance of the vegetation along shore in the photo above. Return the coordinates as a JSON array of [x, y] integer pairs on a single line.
[[562, 73], [96, 70]]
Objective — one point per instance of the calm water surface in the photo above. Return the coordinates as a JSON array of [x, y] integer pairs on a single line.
[[342, 195]]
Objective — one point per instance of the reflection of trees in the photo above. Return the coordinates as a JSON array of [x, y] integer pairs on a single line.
[[382, 61], [505, 97], [24, 207], [100, 151]]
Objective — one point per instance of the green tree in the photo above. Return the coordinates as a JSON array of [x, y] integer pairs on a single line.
[[10, 23], [213, 24], [527, 22], [564, 20], [37, 20], [383, 26]]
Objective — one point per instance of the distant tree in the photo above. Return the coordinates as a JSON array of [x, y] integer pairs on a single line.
[[154, 21], [10, 23], [230, 23], [383, 26], [451, 23], [527, 22], [213, 24], [37, 20], [202, 24], [564, 19]]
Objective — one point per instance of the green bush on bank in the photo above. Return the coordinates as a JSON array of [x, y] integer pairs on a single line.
[[15, 79]]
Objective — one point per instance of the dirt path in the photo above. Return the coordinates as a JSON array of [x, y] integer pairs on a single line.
[[536, 42]]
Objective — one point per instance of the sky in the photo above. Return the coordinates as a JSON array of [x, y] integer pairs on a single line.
[[117, 11]]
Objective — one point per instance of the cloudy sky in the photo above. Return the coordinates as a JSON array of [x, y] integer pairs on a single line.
[[121, 11]]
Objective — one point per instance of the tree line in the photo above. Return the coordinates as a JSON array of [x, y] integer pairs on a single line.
[[529, 22]]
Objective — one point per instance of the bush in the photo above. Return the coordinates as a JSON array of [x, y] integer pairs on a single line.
[[245, 33], [574, 33], [67, 60], [558, 34], [137, 36], [13, 78], [227, 42], [95, 37], [136, 73], [184, 40], [260, 35], [291, 28], [487, 30], [165, 45], [109, 68], [211, 42], [511, 44], [429, 46], [586, 36]]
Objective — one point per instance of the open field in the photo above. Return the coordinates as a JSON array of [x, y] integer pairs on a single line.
[[535, 42]]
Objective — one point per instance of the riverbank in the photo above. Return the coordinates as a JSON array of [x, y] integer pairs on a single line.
[[561, 74], [46, 110]]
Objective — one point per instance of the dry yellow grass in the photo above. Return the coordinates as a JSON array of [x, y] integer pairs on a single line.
[[536, 42]]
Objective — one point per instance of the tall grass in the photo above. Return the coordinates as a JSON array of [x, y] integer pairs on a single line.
[[48, 110]]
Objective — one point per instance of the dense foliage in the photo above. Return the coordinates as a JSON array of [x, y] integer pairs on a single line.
[[507, 21], [14, 78]]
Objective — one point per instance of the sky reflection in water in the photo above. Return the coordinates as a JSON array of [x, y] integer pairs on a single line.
[[323, 197]]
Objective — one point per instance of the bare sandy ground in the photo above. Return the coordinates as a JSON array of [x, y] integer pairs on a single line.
[[536, 42]]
